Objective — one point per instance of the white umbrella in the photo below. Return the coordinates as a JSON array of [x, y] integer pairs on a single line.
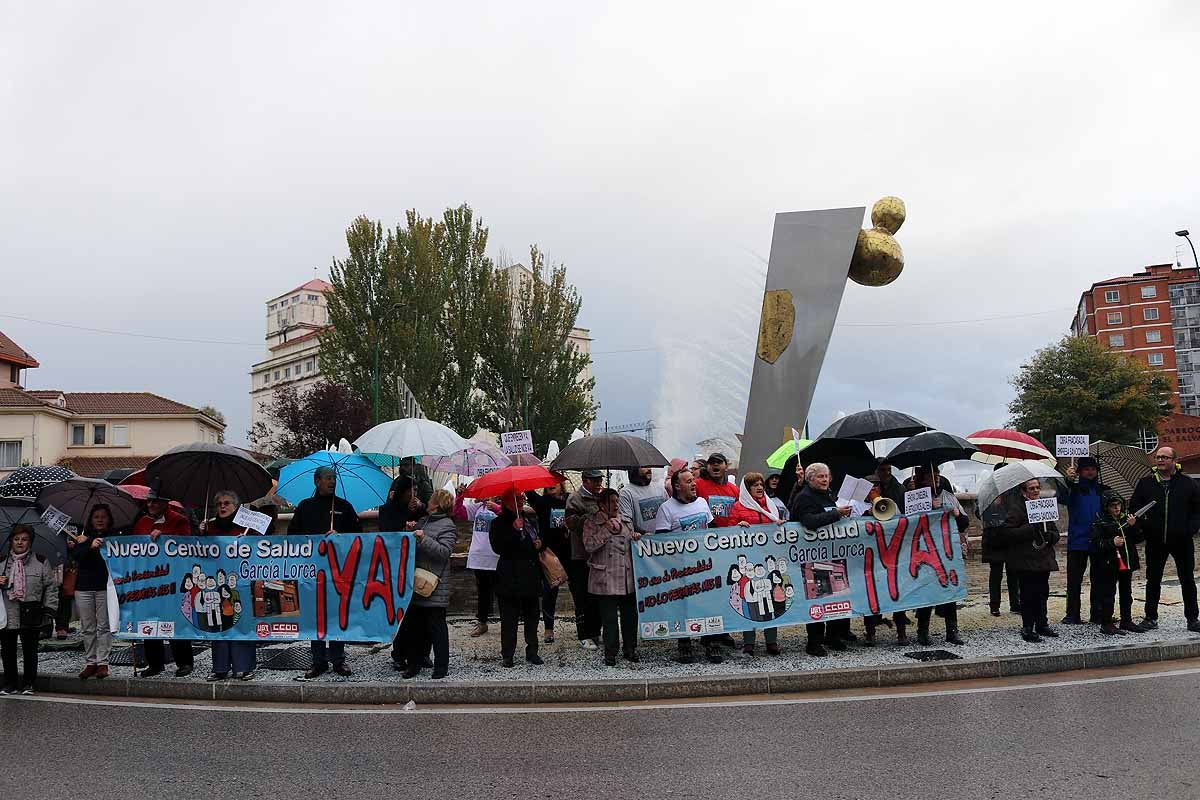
[[1005, 479], [408, 438]]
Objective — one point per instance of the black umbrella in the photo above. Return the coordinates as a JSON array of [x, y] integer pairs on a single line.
[[931, 448], [608, 451], [842, 456], [190, 473], [45, 541], [78, 496], [28, 481], [875, 423]]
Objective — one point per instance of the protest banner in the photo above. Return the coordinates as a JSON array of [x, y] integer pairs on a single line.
[[1044, 509], [721, 580], [343, 587], [1071, 445], [516, 443], [918, 501]]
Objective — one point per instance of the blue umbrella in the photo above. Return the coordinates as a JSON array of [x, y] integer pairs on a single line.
[[359, 482]]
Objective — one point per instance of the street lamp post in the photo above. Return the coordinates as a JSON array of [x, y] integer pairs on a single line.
[[525, 381], [387, 316], [1184, 234]]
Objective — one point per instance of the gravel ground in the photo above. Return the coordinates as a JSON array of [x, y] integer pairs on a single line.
[[479, 659]]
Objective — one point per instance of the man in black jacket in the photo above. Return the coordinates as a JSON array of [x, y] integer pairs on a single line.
[[815, 507], [1169, 527], [325, 512]]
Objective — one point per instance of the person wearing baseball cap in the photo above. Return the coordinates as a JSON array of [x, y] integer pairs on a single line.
[[1084, 503], [582, 504]]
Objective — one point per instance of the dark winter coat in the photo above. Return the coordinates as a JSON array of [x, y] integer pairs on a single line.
[[557, 539], [1106, 528], [1027, 548], [1083, 504], [312, 516], [811, 508], [892, 490], [518, 572], [92, 575], [1176, 514]]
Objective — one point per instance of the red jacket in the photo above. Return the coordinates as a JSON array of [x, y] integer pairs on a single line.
[[173, 524], [739, 513], [710, 489]]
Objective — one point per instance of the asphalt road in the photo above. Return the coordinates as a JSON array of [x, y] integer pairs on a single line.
[[1125, 734]]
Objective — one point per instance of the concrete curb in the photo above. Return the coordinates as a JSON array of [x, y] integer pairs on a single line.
[[530, 692]]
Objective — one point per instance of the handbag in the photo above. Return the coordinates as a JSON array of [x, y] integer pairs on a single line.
[[68, 582], [424, 582], [33, 614], [552, 568]]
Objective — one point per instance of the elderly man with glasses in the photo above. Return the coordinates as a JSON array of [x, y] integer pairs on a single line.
[[1169, 527]]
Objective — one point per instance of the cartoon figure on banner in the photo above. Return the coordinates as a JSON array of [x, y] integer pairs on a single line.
[[759, 592], [185, 605]]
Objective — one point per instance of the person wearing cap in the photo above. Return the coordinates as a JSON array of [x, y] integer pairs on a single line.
[[718, 492], [160, 519], [582, 504], [325, 513], [1083, 505]]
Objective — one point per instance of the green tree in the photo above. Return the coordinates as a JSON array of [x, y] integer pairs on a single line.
[[213, 413], [1076, 386], [531, 373], [302, 423]]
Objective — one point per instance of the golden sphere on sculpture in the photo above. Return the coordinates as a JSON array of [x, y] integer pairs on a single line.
[[878, 259], [888, 213]]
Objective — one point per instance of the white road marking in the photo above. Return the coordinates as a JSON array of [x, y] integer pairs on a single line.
[[581, 709]]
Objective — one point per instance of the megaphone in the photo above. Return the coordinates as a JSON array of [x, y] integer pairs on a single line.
[[884, 509]]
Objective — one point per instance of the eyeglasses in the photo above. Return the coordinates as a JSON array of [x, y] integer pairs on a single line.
[[1162, 458], [225, 503]]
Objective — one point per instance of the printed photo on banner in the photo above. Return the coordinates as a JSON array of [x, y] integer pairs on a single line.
[[736, 579]]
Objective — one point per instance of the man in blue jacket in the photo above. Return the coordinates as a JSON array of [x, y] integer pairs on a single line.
[[1083, 504]]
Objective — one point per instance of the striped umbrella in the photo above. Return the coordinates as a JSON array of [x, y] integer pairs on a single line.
[[1121, 466], [1000, 444]]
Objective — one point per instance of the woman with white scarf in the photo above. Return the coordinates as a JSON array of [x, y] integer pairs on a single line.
[[753, 507], [30, 593]]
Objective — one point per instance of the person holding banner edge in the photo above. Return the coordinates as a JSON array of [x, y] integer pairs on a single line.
[[158, 520], [425, 622], [91, 591], [327, 513], [815, 507], [241, 655], [1029, 552], [754, 507]]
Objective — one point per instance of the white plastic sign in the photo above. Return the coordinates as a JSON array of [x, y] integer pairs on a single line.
[[516, 443], [1071, 445], [796, 441], [254, 520], [918, 501], [55, 520], [1044, 509]]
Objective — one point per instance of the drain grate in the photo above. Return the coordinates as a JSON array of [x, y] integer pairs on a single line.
[[932, 655], [293, 657], [123, 657]]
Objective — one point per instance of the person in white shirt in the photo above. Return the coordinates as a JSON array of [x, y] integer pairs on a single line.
[[640, 500], [684, 510]]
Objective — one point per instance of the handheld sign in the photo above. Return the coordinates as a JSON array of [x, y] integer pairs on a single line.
[[918, 501], [516, 443], [1044, 509], [484, 470], [254, 520], [796, 441], [55, 520], [1071, 445]]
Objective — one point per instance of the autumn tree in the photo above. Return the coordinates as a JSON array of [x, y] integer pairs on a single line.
[[300, 423]]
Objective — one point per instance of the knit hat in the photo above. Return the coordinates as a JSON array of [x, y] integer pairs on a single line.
[[1087, 461]]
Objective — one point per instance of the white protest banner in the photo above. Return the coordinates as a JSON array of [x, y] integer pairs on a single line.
[[55, 520], [1071, 445], [1044, 509], [918, 501], [254, 520], [516, 443]]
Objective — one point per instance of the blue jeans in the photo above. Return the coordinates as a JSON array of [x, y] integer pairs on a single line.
[[337, 653], [771, 635], [242, 655]]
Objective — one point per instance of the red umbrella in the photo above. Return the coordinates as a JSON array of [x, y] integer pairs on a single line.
[[136, 478], [512, 479], [1000, 444], [139, 492]]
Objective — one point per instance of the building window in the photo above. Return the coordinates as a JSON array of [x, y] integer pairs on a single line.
[[10, 455], [1150, 314], [1116, 340], [266, 378], [313, 298], [1149, 291], [1153, 336], [77, 436], [1114, 318], [121, 435], [1156, 359], [287, 372], [272, 307], [308, 365], [1112, 296], [99, 434], [276, 374]]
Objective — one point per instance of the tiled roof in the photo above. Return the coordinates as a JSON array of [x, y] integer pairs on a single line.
[[13, 353], [94, 467], [117, 402], [315, 285], [17, 397]]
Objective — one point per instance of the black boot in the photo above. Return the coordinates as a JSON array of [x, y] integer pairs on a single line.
[[952, 636], [1028, 635], [923, 631], [902, 631]]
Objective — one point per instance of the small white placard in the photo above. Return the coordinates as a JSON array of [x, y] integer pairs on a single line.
[[484, 470], [1071, 445], [796, 441], [918, 501], [1044, 509], [516, 443], [55, 520], [254, 520]]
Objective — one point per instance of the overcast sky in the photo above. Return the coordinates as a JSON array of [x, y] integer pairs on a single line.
[[168, 167]]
